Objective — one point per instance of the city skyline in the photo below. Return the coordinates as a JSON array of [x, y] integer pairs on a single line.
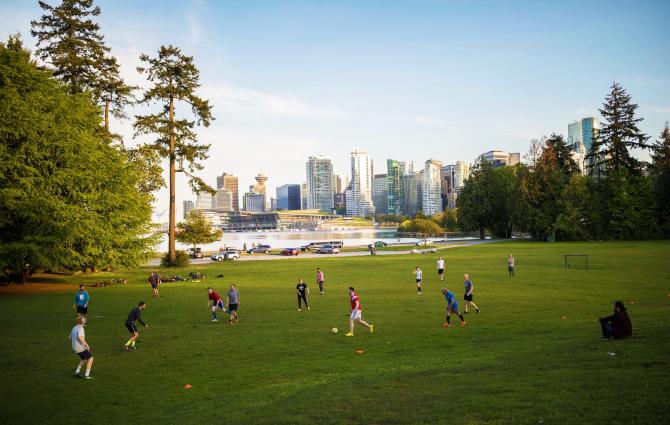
[[447, 80]]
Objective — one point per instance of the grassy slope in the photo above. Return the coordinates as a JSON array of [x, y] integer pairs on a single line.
[[517, 362]]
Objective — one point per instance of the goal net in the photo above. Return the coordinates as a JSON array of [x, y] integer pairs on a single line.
[[576, 261]]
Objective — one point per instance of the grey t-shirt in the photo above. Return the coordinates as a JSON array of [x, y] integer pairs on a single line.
[[77, 346], [233, 296]]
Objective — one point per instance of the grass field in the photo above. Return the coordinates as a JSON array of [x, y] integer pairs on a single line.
[[517, 362]]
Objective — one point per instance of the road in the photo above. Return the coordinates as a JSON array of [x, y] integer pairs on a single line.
[[266, 257]]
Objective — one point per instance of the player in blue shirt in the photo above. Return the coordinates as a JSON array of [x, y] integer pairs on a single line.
[[452, 307], [81, 302]]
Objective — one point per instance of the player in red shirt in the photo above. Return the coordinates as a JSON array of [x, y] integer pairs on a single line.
[[356, 313], [215, 301]]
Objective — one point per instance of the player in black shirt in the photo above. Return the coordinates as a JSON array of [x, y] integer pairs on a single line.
[[134, 315], [303, 291]]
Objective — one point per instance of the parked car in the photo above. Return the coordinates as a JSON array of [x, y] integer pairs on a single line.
[[228, 254], [328, 249], [260, 249], [424, 243], [290, 251], [194, 252], [378, 244]]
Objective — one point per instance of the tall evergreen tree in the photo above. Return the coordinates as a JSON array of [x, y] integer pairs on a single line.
[[70, 41], [475, 204], [660, 172], [618, 134], [543, 194], [175, 78], [563, 153], [110, 89]]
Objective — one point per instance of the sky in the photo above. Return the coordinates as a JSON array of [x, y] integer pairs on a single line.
[[407, 80]]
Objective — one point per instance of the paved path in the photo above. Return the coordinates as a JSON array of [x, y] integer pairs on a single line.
[[265, 257]]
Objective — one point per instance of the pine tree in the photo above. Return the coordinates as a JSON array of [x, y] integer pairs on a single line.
[[175, 78], [660, 173], [110, 89], [70, 41], [563, 153], [617, 135]]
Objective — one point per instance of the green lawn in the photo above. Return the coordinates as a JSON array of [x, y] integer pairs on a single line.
[[516, 362]]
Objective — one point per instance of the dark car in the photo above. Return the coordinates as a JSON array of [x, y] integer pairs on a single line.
[[290, 251], [260, 249]]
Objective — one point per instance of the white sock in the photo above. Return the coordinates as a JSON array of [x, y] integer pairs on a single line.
[[88, 372], [78, 369]]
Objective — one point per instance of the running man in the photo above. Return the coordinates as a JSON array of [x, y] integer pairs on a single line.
[[303, 291], [81, 348], [356, 313], [215, 301], [81, 302], [319, 279], [469, 287], [452, 307], [154, 280], [418, 274], [233, 301], [440, 268], [134, 315], [510, 265]]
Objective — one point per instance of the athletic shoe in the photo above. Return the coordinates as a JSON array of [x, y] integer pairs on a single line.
[[465, 312], [445, 325], [126, 348], [322, 293], [88, 378], [215, 320], [348, 334], [463, 323], [76, 374], [477, 311], [372, 328], [299, 309], [309, 309]]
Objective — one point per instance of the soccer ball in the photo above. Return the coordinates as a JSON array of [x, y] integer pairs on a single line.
[[334, 330]]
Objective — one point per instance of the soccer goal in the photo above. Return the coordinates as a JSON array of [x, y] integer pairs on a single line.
[[576, 261]]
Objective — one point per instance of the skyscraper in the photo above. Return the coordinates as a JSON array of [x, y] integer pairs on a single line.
[[230, 182], [580, 139], [223, 200], [203, 201], [359, 196], [254, 202], [394, 172], [412, 192], [288, 197], [380, 193], [319, 173], [303, 195], [432, 188], [461, 174]]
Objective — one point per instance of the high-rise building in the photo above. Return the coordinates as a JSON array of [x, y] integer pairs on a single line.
[[501, 158], [359, 196], [222, 200], [253, 202], [288, 197], [461, 174], [590, 127], [340, 201], [380, 193], [259, 188], [340, 183], [432, 188], [203, 201], [188, 206], [319, 172], [580, 139], [575, 133], [394, 172], [303, 196], [230, 182], [412, 193]]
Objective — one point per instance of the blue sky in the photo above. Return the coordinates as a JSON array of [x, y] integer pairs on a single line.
[[408, 80]]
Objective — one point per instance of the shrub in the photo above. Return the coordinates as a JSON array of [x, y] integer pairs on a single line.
[[182, 260]]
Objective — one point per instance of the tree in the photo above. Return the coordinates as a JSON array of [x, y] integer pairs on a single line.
[[543, 194], [617, 135], [69, 198], [175, 78], [422, 226], [110, 89], [566, 163], [534, 152], [475, 205], [197, 230], [69, 40], [660, 172]]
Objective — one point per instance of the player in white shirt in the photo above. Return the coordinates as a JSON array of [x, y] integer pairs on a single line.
[[440, 268], [418, 274], [81, 348]]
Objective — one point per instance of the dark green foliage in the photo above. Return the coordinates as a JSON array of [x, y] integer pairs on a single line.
[[660, 174], [475, 202], [69, 198], [421, 226], [564, 160], [182, 259]]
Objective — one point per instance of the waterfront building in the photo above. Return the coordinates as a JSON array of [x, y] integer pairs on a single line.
[[203, 200], [288, 197], [254, 202], [499, 158], [412, 193], [230, 182], [380, 193], [222, 200], [359, 194], [395, 170], [188, 206], [319, 174], [432, 189], [303, 196]]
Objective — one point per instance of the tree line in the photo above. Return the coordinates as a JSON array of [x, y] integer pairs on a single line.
[[619, 197], [73, 195]]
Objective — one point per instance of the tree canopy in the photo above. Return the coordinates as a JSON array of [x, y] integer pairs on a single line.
[[195, 230]]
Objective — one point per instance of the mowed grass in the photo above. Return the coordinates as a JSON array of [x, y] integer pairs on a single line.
[[517, 362]]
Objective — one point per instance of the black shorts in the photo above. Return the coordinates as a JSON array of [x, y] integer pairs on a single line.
[[418, 281], [131, 327], [85, 355], [154, 285], [467, 297], [440, 271], [82, 310], [232, 307]]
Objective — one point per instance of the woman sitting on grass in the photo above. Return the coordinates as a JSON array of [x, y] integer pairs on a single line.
[[618, 325]]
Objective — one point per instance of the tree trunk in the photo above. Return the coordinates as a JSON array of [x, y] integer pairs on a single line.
[[481, 233], [172, 254], [107, 114]]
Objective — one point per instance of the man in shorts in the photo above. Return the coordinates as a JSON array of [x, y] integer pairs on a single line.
[[154, 280], [233, 301], [510, 265], [467, 297], [356, 313], [134, 315], [303, 291], [418, 274], [440, 268], [452, 307], [81, 348], [215, 301], [81, 302], [319, 279]]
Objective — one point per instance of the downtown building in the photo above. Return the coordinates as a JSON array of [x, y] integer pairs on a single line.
[[412, 193], [319, 185], [499, 158], [288, 197], [395, 170], [380, 193], [359, 194], [580, 139], [230, 183], [432, 187], [188, 206]]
